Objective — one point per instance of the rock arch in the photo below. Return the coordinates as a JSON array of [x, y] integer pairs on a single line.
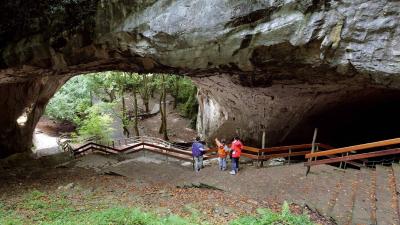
[[261, 64]]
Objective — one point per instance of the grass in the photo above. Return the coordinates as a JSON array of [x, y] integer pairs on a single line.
[[40, 208], [268, 217]]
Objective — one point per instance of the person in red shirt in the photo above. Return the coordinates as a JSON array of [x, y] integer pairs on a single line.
[[236, 147]]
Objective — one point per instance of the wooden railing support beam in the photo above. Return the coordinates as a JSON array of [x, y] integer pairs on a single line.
[[312, 149]]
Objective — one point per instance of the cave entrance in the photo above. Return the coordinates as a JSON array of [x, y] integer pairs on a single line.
[[113, 106], [366, 116]]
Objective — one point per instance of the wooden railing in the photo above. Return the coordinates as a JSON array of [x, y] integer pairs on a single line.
[[354, 152], [136, 144], [156, 145], [289, 151]]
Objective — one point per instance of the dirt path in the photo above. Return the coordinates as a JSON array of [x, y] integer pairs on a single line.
[[178, 126]]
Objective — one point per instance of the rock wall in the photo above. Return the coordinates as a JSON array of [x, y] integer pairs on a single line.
[[22, 106], [277, 58], [346, 112]]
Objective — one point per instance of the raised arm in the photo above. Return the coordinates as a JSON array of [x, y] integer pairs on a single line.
[[217, 142]]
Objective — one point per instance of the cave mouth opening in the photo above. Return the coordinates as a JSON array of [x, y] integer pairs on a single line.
[[102, 106], [356, 118]]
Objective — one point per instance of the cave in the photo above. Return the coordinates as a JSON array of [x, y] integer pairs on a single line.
[[279, 67], [368, 116]]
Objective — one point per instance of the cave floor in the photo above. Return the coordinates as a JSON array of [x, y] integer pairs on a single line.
[[156, 185]]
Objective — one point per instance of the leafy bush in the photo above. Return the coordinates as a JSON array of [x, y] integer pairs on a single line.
[[95, 125], [71, 100], [267, 217]]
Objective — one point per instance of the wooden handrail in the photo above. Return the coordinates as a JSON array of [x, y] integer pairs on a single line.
[[280, 148], [355, 148], [130, 147], [282, 155], [294, 147], [94, 143], [354, 157], [159, 146], [190, 159], [211, 150], [83, 146], [251, 149], [325, 146], [169, 149]]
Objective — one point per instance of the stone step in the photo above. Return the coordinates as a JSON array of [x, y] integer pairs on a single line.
[[321, 186], [362, 209], [386, 214], [396, 173], [329, 192], [343, 204]]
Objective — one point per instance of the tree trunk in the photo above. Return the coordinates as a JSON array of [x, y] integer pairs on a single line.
[[124, 114], [164, 120], [152, 88], [161, 114], [176, 91], [145, 93], [136, 120], [111, 94]]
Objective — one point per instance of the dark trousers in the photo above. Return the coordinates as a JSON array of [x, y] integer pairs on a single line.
[[235, 164]]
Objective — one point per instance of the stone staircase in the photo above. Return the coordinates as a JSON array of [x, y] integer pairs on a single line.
[[357, 197]]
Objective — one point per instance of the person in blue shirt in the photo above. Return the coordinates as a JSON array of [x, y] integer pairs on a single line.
[[197, 152]]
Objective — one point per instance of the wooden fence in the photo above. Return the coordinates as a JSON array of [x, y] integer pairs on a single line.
[[355, 152]]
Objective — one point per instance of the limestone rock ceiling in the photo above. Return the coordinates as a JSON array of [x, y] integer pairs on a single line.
[[282, 38], [257, 63]]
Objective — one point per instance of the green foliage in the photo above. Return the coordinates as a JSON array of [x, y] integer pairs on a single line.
[[71, 100], [190, 107], [267, 217], [9, 217], [59, 210], [97, 124]]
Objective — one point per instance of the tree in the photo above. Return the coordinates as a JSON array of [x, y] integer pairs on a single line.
[[104, 85], [190, 108], [71, 101], [145, 91], [174, 84], [163, 108], [121, 80], [134, 83], [95, 125]]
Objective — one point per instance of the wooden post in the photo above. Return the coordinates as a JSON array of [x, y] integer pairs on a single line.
[[169, 146], [263, 142], [113, 144], [345, 163], [312, 148], [316, 150], [341, 163], [290, 152]]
